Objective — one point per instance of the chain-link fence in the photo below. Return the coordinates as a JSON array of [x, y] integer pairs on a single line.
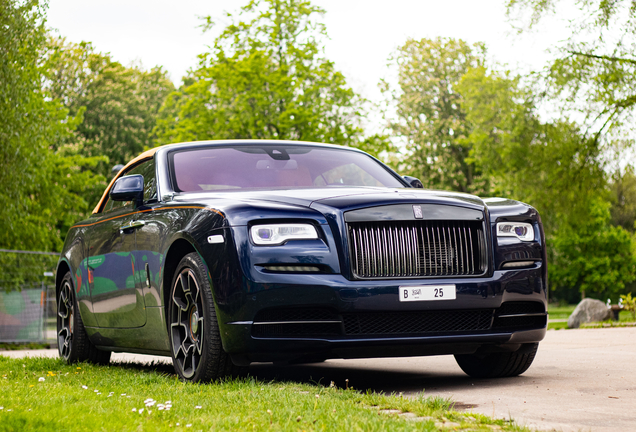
[[27, 296]]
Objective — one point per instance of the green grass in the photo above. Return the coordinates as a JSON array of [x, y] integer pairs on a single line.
[[563, 313], [24, 346], [85, 397], [557, 325], [560, 312]]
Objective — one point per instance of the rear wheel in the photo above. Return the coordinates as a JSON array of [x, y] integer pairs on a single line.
[[72, 341], [197, 352], [500, 364]]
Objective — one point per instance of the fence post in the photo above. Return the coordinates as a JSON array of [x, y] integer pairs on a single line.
[[45, 293], [44, 314]]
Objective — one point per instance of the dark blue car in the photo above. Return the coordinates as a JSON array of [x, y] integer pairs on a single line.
[[223, 253]]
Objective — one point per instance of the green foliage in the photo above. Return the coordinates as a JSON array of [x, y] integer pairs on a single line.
[[40, 196], [594, 256], [595, 68], [118, 104], [24, 118], [20, 270], [623, 196], [629, 304], [551, 165], [29, 124], [265, 78], [431, 118], [465, 122]]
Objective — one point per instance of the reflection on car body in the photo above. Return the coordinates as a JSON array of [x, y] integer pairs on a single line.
[[223, 253]]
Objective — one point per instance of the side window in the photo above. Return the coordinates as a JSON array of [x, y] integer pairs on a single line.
[[146, 169]]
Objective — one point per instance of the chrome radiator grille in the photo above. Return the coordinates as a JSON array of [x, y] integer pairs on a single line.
[[388, 249]]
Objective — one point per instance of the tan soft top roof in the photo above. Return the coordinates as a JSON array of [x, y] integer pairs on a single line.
[[145, 155]]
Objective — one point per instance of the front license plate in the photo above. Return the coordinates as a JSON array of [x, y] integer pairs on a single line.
[[427, 293]]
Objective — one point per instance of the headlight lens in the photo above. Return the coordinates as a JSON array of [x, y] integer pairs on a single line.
[[276, 234], [523, 231]]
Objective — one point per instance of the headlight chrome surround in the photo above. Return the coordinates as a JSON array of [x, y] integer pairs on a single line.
[[521, 230], [277, 234]]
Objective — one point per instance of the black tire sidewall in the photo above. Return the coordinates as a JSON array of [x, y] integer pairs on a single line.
[[498, 365], [203, 373]]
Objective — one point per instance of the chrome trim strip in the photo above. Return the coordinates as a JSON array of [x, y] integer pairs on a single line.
[[297, 322], [522, 315]]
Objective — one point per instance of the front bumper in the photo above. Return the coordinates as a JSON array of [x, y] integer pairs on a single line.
[[239, 316]]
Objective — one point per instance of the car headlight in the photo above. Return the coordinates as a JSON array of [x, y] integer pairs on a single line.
[[523, 231], [276, 234]]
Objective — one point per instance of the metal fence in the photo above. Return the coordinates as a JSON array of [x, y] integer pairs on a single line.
[[27, 296]]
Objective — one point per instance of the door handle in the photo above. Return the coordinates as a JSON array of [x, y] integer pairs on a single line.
[[131, 225]]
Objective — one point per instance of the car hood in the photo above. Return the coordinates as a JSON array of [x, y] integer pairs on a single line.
[[340, 198]]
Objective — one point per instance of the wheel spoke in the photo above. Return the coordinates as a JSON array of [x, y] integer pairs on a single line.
[[63, 304], [186, 323], [64, 320]]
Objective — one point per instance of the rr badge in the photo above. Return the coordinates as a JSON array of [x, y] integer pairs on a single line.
[[417, 212]]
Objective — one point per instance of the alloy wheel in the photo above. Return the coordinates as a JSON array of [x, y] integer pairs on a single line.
[[187, 323], [65, 312]]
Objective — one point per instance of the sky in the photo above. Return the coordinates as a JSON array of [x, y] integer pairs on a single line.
[[363, 34]]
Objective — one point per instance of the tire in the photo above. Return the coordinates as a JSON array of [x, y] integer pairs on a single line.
[[73, 344], [195, 340], [498, 365]]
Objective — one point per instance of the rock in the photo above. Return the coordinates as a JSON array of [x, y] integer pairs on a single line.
[[589, 310], [390, 411]]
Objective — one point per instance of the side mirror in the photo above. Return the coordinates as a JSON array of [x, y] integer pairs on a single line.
[[128, 188], [414, 182]]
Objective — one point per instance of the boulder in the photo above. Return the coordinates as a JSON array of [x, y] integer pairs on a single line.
[[589, 310]]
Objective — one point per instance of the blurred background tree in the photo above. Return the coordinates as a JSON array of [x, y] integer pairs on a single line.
[[430, 119], [40, 198], [117, 105], [266, 77], [594, 70], [452, 118]]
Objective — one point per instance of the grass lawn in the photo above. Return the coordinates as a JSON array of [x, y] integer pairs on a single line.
[[40, 394], [562, 313]]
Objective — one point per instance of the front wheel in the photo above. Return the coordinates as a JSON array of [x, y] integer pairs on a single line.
[[72, 341], [500, 364], [197, 352]]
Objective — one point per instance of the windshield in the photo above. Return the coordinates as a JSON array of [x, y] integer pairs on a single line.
[[275, 166]]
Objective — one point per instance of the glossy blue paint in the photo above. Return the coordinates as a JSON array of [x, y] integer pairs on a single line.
[[243, 287]]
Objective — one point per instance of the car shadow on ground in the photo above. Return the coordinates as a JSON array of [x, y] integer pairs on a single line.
[[379, 380]]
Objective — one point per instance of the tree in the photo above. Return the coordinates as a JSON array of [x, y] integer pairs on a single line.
[[595, 68], [596, 257], [27, 122], [556, 168], [623, 190], [551, 165], [39, 195], [118, 104], [266, 78], [431, 119]]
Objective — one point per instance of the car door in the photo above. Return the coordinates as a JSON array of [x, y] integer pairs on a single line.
[[113, 274], [149, 233]]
